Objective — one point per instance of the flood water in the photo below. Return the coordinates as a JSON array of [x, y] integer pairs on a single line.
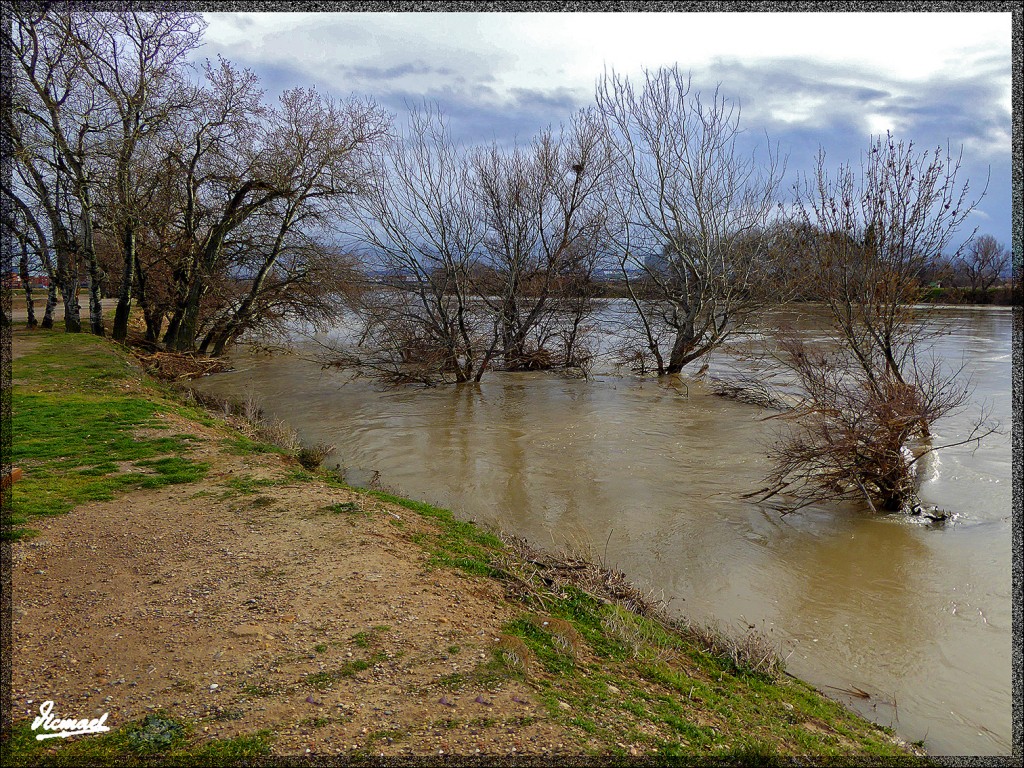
[[648, 476]]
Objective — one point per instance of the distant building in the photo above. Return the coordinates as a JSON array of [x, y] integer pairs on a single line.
[[34, 281]]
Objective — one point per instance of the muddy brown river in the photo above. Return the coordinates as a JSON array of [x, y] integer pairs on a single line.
[[908, 623]]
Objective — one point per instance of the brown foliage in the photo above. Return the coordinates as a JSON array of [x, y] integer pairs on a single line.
[[852, 436]]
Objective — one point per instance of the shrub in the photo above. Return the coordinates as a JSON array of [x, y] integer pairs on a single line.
[[310, 457]]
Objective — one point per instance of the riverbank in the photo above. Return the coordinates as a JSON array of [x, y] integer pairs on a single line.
[[217, 600]]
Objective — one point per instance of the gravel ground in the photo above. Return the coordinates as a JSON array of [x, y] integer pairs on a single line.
[[263, 610]]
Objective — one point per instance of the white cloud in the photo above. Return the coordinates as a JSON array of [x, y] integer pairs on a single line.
[[538, 50], [809, 79]]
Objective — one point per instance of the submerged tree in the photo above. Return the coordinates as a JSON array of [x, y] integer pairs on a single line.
[[543, 208], [421, 230], [871, 397], [876, 232], [857, 438], [693, 213]]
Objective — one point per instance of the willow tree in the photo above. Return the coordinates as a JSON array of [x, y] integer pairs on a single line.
[[694, 213]]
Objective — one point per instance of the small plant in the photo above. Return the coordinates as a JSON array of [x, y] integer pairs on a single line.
[[514, 652], [563, 634], [277, 433], [310, 457], [155, 734], [345, 508], [260, 690], [365, 638]]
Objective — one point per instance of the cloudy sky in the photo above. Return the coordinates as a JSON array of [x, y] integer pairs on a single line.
[[806, 80]]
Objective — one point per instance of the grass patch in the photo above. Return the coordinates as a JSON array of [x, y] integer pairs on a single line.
[[72, 461], [157, 737], [366, 638], [458, 544], [78, 408], [490, 675], [323, 680], [346, 508], [261, 690]]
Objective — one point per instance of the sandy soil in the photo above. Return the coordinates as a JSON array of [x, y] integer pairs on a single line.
[[218, 606]]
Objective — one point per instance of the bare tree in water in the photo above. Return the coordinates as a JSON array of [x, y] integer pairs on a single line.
[[544, 214], [421, 231], [872, 394], [693, 213]]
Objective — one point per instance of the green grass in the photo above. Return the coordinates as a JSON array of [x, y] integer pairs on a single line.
[[366, 638], [325, 679], [458, 544], [346, 508], [157, 738], [260, 690], [75, 409]]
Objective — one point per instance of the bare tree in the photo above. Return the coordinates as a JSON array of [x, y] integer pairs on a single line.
[[44, 213], [857, 438], [136, 61], [981, 265], [205, 173], [54, 93], [872, 235], [240, 160], [871, 395], [327, 144], [694, 213], [420, 226], [544, 212]]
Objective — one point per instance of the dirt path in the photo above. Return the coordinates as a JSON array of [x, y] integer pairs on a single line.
[[265, 610]]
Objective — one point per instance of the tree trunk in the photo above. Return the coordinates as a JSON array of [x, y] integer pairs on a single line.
[[23, 273], [96, 299], [154, 321], [681, 349], [154, 316], [51, 302], [67, 278], [72, 310], [124, 299], [95, 273], [171, 336], [188, 327]]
